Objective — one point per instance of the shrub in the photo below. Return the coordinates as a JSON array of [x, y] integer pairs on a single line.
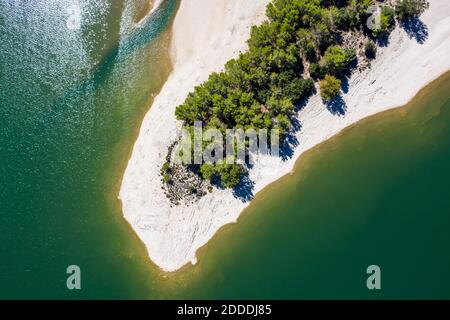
[[329, 88], [316, 71], [406, 9], [370, 49], [337, 60]]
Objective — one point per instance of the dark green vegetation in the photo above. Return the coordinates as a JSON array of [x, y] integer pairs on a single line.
[[329, 87], [386, 22], [370, 49], [406, 9], [302, 41]]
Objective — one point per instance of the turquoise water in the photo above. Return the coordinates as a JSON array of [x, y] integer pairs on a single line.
[[71, 102]]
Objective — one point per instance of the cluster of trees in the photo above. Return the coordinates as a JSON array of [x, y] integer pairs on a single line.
[[407, 9], [330, 87], [403, 10], [260, 89], [228, 174], [386, 21]]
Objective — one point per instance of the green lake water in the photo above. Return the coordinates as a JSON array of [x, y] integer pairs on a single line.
[[70, 108], [71, 103], [377, 194]]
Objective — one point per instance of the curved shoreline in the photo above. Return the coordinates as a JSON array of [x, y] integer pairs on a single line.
[[173, 235]]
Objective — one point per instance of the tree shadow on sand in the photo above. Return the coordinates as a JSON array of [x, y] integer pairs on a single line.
[[244, 190], [345, 85], [383, 40], [290, 142], [337, 106], [416, 29]]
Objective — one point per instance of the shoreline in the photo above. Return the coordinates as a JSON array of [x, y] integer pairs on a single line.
[[266, 191], [153, 6], [173, 235]]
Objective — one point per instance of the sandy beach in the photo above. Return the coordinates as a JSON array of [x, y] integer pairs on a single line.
[[208, 33]]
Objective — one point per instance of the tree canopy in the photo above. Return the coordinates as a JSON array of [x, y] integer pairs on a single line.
[[406, 9], [261, 88], [330, 87]]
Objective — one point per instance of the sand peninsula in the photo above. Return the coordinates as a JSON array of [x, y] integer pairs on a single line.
[[208, 33]]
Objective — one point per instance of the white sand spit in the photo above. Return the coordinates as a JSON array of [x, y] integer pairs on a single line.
[[206, 34]]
